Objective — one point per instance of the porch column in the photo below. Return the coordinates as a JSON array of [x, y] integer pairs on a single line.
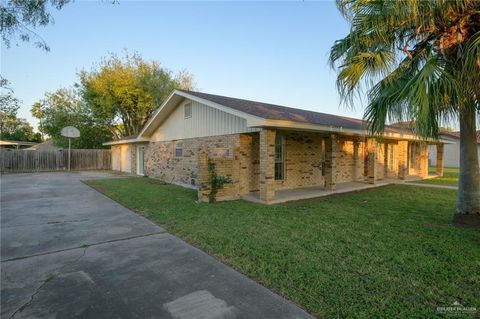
[[356, 167], [423, 160], [372, 161], [439, 169], [330, 162], [402, 159], [267, 165]]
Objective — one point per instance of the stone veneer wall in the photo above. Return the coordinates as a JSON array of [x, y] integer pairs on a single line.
[[161, 162], [133, 159]]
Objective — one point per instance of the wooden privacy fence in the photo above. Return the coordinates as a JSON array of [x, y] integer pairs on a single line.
[[53, 160]]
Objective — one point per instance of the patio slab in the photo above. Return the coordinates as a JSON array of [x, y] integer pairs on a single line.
[[288, 195]]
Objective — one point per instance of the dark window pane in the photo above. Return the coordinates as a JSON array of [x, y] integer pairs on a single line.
[[279, 157], [278, 171]]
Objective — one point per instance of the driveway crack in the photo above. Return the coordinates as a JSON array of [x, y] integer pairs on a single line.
[[49, 278], [83, 246], [25, 305], [54, 222]]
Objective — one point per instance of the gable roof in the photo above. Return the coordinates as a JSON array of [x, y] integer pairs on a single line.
[[259, 114], [284, 113], [456, 135], [444, 133]]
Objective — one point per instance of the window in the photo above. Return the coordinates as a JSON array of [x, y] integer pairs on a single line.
[[178, 149], [188, 110], [279, 158]]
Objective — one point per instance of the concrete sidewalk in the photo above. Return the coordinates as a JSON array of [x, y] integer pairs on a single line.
[[432, 185], [69, 252]]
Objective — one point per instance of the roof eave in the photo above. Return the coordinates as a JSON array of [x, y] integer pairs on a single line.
[[282, 124], [120, 142]]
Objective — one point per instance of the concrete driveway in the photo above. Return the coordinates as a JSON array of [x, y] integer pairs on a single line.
[[68, 251]]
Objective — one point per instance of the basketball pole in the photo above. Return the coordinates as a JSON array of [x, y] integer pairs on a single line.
[[69, 151]]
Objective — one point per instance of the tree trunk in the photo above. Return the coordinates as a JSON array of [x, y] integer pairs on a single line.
[[468, 198]]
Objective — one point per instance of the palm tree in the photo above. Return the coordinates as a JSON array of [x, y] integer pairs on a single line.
[[417, 61]]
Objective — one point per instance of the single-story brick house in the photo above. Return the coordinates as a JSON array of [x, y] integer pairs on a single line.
[[265, 148]]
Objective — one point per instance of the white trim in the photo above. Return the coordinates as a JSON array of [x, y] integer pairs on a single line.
[[138, 160], [338, 129], [154, 116], [132, 141]]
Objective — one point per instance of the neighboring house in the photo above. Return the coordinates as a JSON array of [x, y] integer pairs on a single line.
[[45, 146], [451, 157], [15, 144], [263, 148]]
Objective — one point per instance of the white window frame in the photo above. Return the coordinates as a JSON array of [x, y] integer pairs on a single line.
[[140, 148], [178, 147], [283, 157]]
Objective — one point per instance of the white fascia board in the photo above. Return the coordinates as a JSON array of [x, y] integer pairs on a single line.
[[336, 129], [132, 141], [154, 116]]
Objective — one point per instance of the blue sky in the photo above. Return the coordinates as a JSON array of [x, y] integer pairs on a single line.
[[273, 52]]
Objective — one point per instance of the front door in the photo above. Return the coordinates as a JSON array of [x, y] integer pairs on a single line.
[[140, 160]]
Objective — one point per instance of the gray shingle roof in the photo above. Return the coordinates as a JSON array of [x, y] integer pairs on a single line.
[[278, 112], [456, 135]]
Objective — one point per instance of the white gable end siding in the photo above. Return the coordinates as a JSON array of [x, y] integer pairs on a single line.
[[205, 121]]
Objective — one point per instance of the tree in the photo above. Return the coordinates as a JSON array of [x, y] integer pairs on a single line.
[[18, 18], [11, 127], [123, 93], [417, 60], [65, 108]]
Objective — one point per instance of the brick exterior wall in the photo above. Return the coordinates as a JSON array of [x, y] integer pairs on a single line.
[[380, 160], [267, 164], [242, 167], [402, 158], [418, 159], [161, 162], [248, 160], [350, 160], [303, 160]]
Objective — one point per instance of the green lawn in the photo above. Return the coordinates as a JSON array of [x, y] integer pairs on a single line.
[[379, 253], [449, 178]]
